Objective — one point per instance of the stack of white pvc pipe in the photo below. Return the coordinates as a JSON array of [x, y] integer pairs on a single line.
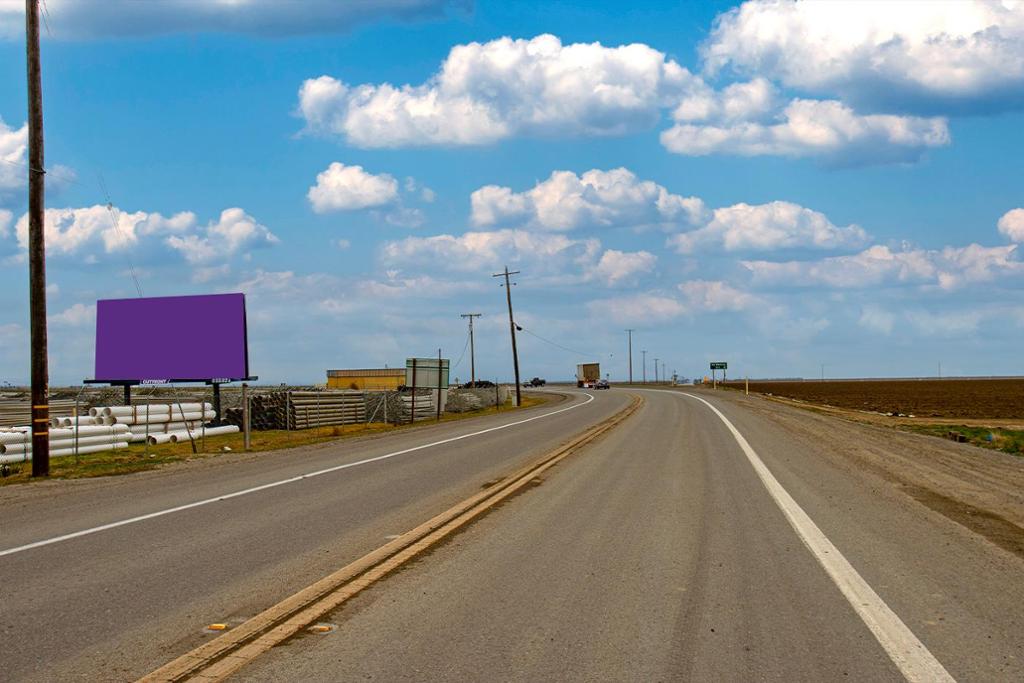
[[155, 419], [109, 428], [154, 413], [81, 420], [187, 434], [16, 444]]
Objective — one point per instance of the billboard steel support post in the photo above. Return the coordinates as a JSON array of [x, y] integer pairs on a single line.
[[412, 408], [246, 438], [439, 385], [216, 402]]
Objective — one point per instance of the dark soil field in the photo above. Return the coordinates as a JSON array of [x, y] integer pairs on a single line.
[[945, 398]]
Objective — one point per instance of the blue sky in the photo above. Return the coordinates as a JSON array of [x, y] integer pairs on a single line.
[[778, 185]]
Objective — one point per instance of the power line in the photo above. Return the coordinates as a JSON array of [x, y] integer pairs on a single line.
[[117, 227], [461, 355], [557, 345], [53, 172]]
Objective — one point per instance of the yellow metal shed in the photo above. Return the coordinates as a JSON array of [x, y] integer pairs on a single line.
[[366, 379]]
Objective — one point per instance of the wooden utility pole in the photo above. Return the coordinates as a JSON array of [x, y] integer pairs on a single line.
[[472, 354], [37, 249], [630, 333], [512, 328], [644, 352], [656, 370]]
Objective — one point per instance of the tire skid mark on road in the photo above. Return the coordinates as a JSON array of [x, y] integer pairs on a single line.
[[909, 654], [275, 484]]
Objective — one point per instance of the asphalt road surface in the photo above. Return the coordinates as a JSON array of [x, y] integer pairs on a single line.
[[118, 603], [659, 554], [672, 549]]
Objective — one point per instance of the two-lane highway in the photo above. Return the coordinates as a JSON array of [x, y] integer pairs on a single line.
[[153, 558], [661, 554], [701, 539]]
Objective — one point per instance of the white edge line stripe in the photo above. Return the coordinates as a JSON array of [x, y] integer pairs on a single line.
[[908, 653], [290, 480]]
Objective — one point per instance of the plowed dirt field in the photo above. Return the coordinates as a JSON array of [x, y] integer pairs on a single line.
[[943, 398]]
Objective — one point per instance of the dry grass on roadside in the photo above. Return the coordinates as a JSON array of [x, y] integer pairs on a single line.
[[139, 457], [997, 438]]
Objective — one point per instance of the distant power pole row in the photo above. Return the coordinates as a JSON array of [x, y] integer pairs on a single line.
[[643, 352]]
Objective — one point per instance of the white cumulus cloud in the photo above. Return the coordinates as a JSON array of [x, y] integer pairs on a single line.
[[83, 19], [485, 92], [826, 129], [947, 268], [930, 55], [1011, 224], [776, 225], [76, 315], [565, 201], [556, 258], [648, 308], [616, 266], [236, 232], [715, 295], [347, 188], [97, 228], [474, 251]]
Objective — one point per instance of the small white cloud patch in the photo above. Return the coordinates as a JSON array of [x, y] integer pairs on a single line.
[[349, 188], [1012, 225], [235, 233]]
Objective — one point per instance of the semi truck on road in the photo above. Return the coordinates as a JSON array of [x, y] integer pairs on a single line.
[[587, 374]]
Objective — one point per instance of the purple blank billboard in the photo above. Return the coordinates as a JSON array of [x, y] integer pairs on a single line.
[[172, 338]]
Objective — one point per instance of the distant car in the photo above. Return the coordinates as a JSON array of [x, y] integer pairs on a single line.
[[602, 384], [480, 384], [536, 382]]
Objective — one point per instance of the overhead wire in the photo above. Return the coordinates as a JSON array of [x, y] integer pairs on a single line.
[[117, 226], [557, 345], [463, 354], [111, 209]]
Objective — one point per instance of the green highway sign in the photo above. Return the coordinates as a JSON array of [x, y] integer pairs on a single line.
[[720, 366]]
